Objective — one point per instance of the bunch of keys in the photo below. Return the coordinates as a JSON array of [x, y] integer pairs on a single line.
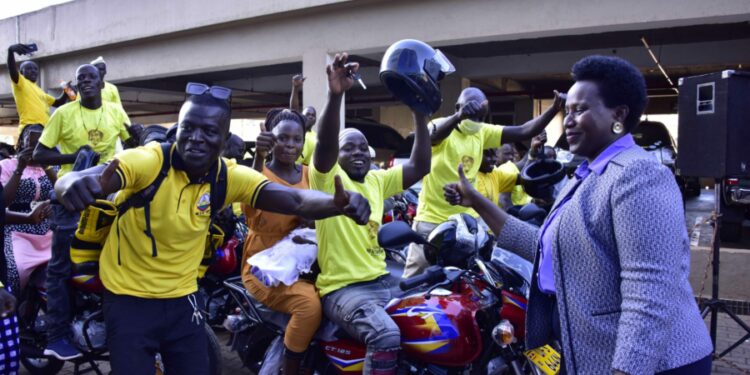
[[358, 77]]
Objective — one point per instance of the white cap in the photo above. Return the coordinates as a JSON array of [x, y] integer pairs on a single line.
[[99, 60], [372, 152]]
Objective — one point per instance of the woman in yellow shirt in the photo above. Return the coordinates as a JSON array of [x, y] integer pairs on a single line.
[[283, 140]]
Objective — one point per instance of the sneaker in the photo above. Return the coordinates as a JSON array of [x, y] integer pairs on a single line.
[[62, 350]]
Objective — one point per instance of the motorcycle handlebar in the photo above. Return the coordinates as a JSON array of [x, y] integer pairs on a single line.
[[433, 274]]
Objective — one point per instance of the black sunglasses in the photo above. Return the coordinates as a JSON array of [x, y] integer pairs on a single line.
[[218, 92]]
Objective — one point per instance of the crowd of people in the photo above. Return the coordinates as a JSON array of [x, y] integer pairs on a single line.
[[611, 259]]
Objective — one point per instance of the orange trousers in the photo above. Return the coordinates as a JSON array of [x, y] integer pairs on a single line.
[[300, 300]]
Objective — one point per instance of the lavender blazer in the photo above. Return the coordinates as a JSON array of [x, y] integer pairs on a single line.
[[621, 264]]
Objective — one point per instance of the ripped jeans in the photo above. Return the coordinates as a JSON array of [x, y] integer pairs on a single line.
[[359, 310]]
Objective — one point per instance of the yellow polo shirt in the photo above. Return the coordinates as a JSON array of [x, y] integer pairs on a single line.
[[491, 184], [459, 147], [110, 93], [518, 196], [347, 252], [73, 125], [32, 103], [180, 217], [311, 140]]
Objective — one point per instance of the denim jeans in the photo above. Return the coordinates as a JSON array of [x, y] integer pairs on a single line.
[[59, 309], [359, 310]]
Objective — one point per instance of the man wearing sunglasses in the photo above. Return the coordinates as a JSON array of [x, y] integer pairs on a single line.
[[88, 124], [150, 305]]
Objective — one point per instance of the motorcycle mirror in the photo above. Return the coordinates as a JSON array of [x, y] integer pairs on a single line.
[[398, 233]]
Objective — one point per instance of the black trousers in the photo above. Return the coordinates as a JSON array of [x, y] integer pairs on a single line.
[[138, 328]]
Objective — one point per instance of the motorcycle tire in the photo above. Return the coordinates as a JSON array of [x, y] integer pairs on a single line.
[[215, 363], [42, 366]]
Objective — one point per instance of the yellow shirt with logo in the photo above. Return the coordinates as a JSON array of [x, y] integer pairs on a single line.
[[518, 196], [110, 93], [32, 103], [311, 140], [73, 125], [349, 253], [461, 146], [491, 184], [180, 217]]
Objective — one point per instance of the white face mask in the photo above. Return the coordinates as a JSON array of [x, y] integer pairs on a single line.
[[470, 127]]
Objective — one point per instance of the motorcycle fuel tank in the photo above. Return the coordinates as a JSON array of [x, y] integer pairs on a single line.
[[441, 330]]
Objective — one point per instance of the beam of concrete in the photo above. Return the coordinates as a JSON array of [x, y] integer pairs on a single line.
[[143, 39], [732, 52]]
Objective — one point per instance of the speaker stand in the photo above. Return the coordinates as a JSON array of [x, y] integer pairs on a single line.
[[714, 306]]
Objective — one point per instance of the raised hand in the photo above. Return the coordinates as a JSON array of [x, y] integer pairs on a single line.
[[351, 204], [461, 193], [86, 189], [340, 73], [559, 102], [20, 49], [298, 80], [471, 109], [264, 143], [537, 143]]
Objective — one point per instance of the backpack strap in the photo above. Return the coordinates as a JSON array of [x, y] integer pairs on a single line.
[[144, 197], [218, 189]]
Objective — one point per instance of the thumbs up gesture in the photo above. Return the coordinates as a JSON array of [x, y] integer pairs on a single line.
[[265, 142], [77, 190], [461, 193], [351, 204]]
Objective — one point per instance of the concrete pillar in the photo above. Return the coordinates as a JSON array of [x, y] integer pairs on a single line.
[[315, 91], [451, 87]]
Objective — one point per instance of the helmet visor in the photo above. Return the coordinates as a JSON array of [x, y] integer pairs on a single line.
[[445, 65]]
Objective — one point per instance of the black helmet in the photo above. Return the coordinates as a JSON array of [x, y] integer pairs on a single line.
[[540, 176], [457, 241], [410, 70]]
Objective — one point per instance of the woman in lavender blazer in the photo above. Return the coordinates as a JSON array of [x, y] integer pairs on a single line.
[[611, 261]]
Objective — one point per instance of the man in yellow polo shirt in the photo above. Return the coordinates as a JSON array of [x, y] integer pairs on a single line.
[[32, 103], [461, 138], [110, 93], [310, 115], [352, 281], [88, 124], [491, 180], [151, 303]]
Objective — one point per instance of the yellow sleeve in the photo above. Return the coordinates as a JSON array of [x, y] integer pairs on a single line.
[[52, 132], [123, 120], [323, 181], [243, 184], [492, 135], [139, 166], [504, 180], [50, 99], [116, 96], [392, 180]]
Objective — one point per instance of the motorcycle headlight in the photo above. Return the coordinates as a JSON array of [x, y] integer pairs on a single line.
[[504, 333]]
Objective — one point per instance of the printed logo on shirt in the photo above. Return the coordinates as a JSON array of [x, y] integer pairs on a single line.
[[204, 203], [372, 231], [468, 162]]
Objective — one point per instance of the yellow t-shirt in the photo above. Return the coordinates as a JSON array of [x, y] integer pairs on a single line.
[[180, 216], [32, 103], [491, 184], [110, 93], [311, 139], [459, 147], [518, 196], [73, 125], [349, 253]]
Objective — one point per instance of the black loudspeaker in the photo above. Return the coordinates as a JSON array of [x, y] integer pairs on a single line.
[[714, 125]]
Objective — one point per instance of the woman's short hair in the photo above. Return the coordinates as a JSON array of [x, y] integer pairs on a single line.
[[619, 83], [277, 115]]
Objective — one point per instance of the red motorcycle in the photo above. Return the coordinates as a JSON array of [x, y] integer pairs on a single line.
[[452, 320]]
